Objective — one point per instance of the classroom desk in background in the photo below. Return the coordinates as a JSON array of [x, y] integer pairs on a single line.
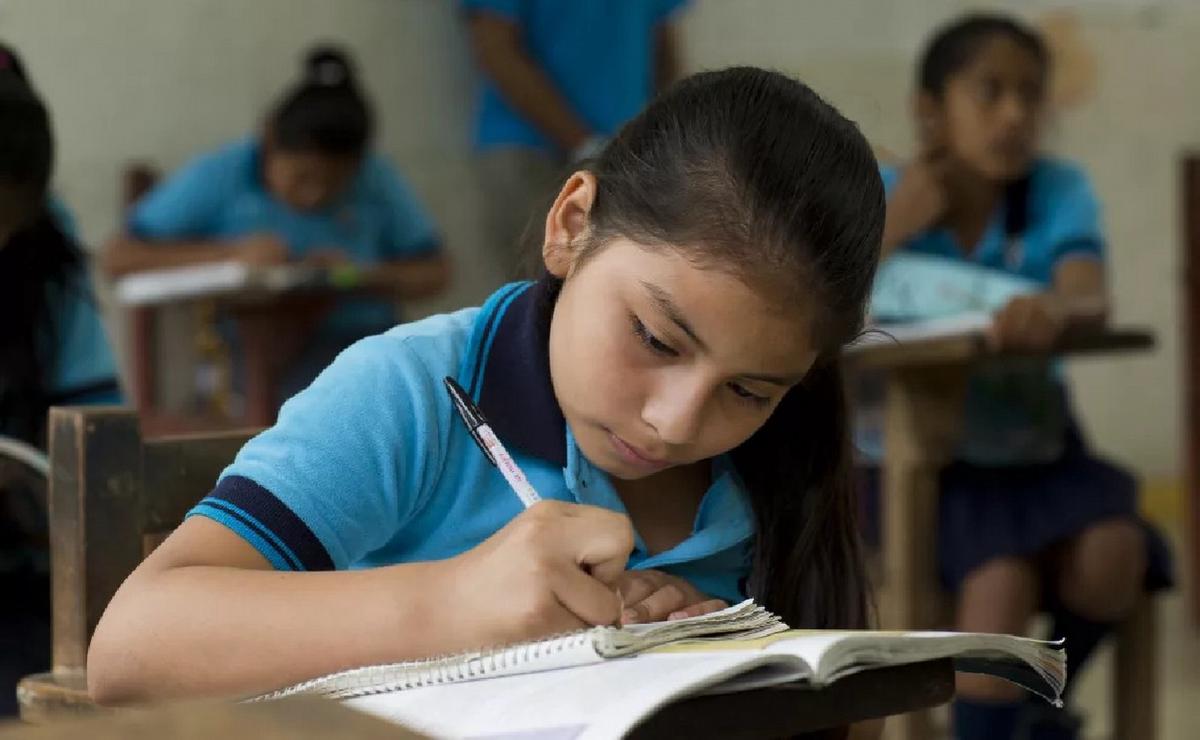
[[926, 384], [254, 297]]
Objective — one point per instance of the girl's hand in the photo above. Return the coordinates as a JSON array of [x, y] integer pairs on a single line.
[[652, 596], [261, 250], [551, 569], [1031, 323], [918, 202], [329, 257]]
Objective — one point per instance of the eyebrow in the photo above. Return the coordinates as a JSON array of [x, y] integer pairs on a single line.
[[668, 307], [672, 312]]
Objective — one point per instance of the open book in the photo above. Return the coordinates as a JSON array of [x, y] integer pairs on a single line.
[[602, 681], [212, 280], [971, 324]]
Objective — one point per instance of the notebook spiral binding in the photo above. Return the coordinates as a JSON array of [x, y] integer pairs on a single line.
[[382, 679]]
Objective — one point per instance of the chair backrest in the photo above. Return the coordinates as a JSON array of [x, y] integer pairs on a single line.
[[112, 498]]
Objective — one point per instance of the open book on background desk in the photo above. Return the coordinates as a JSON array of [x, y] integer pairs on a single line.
[[214, 279], [601, 682], [971, 324]]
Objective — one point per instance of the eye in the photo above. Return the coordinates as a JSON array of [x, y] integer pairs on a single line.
[[747, 396], [652, 342], [989, 89]]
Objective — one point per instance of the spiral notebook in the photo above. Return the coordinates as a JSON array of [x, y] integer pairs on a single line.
[[746, 620], [601, 682]]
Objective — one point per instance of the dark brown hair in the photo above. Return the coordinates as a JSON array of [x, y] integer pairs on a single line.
[[749, 170]]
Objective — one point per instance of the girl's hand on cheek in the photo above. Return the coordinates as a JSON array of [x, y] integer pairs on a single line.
[[920, 198], [551, 569]]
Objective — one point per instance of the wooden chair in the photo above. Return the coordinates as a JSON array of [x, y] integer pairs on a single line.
[[114, 497]]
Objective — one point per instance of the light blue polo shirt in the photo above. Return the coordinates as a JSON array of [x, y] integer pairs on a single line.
[[1063, 220], [600, 55], [371, 466], [1013, 415], [221, 196], [83, 371]]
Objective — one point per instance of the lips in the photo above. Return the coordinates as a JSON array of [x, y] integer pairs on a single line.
[[635, 456]]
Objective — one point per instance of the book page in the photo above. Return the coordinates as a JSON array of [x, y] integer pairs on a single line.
[[603, 700]]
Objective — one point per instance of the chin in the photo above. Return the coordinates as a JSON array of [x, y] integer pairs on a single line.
[[1009, 169]]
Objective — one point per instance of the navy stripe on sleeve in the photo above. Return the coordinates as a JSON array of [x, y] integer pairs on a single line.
[[245, 500]]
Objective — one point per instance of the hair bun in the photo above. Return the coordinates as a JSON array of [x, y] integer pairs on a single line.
[[10, 64], [328, 66]]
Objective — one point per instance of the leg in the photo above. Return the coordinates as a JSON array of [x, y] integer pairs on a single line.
[[1101, 572], [1100, 577], [519, 184], [1000, 596]]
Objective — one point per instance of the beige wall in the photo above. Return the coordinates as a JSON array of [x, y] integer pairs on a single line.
[[164, 79]]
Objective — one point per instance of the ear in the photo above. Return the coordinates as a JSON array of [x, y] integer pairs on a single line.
[[567, 221], [928, 112]]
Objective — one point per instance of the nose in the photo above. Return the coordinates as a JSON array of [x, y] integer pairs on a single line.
[[676, 407], [1015, 111], [311, 196]]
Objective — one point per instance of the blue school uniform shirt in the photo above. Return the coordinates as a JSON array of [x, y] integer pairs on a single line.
[[83, 371], [371, 466], [1014, 416], [221, 196], [600, 55], [1063, 221]]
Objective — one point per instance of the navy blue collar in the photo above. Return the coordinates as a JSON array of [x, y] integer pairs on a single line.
[[508, 370]]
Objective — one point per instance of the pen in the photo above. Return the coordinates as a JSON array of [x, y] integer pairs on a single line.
[[489, 443]]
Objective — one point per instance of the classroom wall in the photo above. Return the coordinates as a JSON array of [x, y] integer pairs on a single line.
[[164, 79]]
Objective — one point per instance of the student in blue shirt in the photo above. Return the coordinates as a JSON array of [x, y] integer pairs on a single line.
[[52, 351], [310, 189], [558, 79], [671, 386], [1029, 518]]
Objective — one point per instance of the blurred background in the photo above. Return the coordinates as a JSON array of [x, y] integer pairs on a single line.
[[157, 82]]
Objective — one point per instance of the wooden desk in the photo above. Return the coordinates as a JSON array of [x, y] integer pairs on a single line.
[[764, 713], [301, 718], [926, 385], [269, 305]]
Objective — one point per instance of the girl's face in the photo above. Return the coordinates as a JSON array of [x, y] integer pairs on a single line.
[[990, 114], [657, 362], [307, 181]]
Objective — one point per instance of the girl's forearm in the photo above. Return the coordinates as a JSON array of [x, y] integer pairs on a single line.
[[166, 635]]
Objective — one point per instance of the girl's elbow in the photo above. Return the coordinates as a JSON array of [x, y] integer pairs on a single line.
[[111, 676], [120, 660]]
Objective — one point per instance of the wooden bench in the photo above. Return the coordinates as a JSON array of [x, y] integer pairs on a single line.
[[114, 497]]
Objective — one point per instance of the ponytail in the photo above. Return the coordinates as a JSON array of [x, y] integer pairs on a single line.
[[808, 563]]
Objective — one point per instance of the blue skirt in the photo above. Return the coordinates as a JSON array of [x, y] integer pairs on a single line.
[[989, 512]]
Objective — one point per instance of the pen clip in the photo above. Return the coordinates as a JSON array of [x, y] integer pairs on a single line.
[[470, 413]]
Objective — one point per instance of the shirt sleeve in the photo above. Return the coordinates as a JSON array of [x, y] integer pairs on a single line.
[[186, 205], [84, 370], [344, 468], [408, 229], [1074, 227]]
